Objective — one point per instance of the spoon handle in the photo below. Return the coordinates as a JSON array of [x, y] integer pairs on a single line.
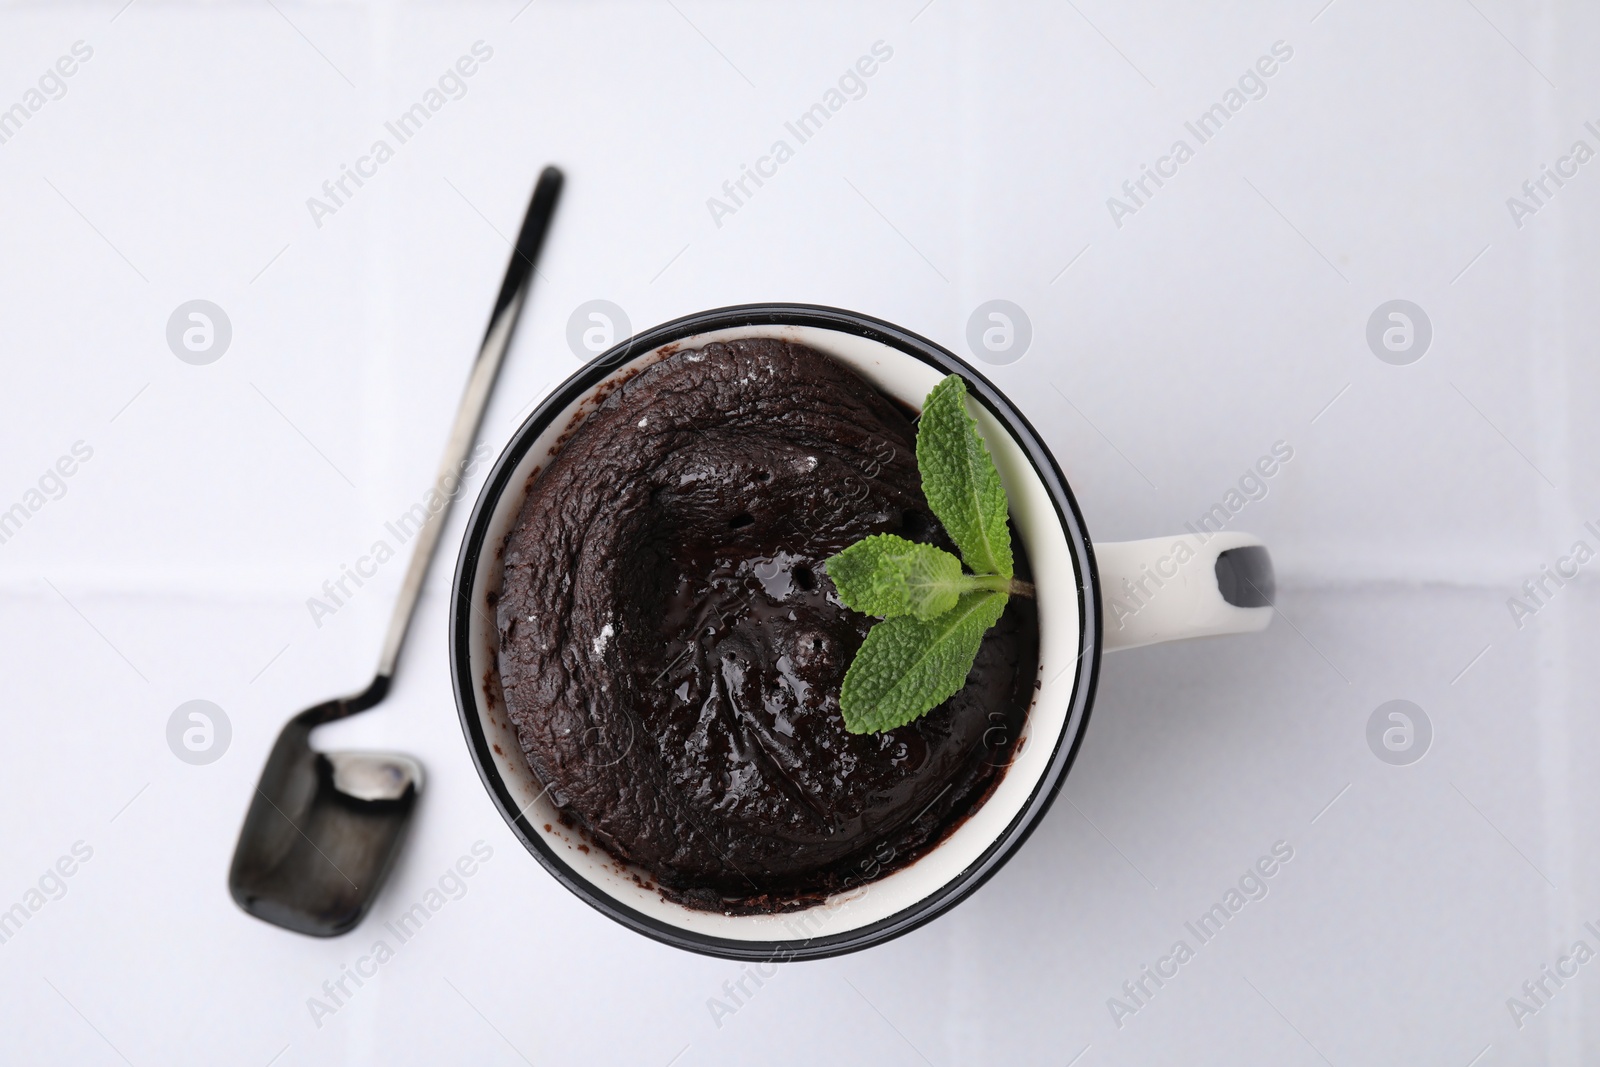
[[496, 340]]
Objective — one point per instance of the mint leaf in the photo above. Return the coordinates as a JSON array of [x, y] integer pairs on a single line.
[[934, 615], [960, 480], [886, 575], [908, 666]]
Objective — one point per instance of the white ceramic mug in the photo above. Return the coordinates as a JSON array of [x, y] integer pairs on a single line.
[[1091, 600]]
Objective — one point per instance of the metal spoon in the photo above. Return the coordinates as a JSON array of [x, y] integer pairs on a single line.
[[324, 828]]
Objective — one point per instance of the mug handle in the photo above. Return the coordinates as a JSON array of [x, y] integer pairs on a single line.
[[1186, 585]]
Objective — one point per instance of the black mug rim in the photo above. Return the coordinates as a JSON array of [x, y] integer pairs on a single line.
[[1005, 844]]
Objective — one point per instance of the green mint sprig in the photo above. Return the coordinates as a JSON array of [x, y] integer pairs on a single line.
[[935, 614]]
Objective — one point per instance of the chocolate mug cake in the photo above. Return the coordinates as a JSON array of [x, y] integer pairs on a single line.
[[671, 650]]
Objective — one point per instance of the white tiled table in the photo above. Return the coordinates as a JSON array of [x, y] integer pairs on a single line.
[[1226, 314]]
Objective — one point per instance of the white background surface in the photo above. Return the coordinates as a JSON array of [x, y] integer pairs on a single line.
[[1224, 316]]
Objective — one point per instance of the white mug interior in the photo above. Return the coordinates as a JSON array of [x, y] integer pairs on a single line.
[[908, 380]]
